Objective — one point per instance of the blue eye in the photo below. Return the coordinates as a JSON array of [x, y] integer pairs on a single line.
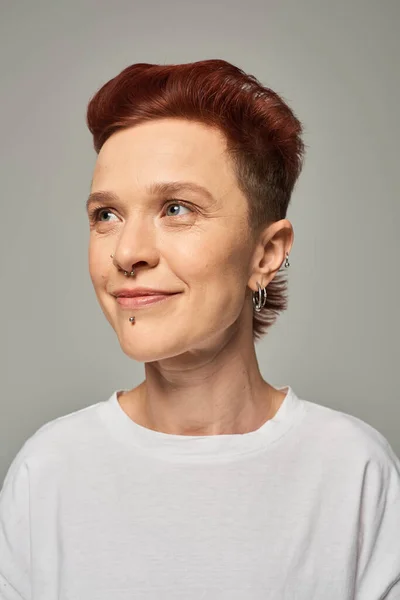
[[180, 204], [95, 214]]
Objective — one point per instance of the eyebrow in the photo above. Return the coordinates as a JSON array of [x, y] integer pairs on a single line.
[[158, 188]]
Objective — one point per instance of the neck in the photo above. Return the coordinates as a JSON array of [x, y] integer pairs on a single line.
[[205, 392]]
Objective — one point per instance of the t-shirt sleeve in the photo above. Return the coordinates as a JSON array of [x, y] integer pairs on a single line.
[[378, 572], [15, 533]]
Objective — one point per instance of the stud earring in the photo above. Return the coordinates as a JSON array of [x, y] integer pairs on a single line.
[[287, 263]]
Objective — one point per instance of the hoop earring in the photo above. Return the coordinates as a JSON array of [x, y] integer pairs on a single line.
[[260, 296]]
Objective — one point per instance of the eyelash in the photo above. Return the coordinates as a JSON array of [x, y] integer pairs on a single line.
[[95, 213]]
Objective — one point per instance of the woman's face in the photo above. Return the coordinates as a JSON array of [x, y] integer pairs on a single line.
[[202, 250]]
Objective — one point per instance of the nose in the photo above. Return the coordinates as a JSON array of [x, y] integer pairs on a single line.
[[135, 249]]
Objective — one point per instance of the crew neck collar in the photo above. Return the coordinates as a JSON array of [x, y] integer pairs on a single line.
[[200, 447]]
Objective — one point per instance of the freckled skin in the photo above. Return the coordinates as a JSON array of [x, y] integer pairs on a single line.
[[202, 375]]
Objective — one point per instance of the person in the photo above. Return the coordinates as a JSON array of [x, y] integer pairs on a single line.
[[204, 481]]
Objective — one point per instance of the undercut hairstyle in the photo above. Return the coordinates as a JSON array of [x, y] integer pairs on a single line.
[[262, 133]]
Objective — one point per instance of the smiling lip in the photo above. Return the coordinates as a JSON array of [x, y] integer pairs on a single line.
[[139, 301]]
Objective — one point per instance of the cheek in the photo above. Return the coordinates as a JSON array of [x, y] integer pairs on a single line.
[[98, 267], [219, 281]]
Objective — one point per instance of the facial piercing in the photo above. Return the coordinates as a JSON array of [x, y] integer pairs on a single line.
[[259, 297], [131, 319], [131, 274]]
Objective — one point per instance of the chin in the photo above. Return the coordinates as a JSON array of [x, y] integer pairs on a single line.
[[146, 355], [148, 348]]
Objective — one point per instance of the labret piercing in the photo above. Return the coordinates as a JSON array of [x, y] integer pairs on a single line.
[[259, 297]]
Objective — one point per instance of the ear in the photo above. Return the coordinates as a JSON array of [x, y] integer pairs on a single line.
[[275, 241]]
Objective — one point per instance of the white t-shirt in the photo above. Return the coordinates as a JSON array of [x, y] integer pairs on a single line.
[[97, 507]]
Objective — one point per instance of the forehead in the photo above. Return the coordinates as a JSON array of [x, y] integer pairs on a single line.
[[162, 150]]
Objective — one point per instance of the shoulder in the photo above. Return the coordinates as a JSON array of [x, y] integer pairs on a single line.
[[349, 440], [57, 441]]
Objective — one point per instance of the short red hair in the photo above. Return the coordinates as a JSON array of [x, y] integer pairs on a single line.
[[263, 135]]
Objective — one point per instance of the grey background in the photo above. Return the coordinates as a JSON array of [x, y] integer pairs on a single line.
[[336, 63]]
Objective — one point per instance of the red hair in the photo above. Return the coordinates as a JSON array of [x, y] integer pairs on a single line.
[[263, 135]]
